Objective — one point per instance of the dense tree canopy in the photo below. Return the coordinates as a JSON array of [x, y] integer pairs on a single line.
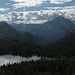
[[62, 64], [41, 67]]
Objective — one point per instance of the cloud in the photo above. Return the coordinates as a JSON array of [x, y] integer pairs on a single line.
[[16, 17], [39, 17], [13, 17], [59, 1], [4, 9], [3, 18], [60, 8], [26, 3], [45, 15], [34, 3]]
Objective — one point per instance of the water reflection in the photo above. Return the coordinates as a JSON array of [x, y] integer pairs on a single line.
[[4, 59]]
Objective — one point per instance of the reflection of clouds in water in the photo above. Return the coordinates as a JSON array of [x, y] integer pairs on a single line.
[[32, 58], [4, 59]]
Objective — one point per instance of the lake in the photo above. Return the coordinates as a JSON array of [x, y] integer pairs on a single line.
[[4, 59]]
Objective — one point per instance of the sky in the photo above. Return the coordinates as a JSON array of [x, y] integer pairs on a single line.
[[35, 11]]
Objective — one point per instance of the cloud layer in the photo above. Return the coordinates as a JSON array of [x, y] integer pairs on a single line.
[[48, 9], [27, 3], [4, 9], [34, 3], [39, 16], [59, 1]]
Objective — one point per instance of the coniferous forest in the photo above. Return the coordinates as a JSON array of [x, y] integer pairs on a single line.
[[55, 59], [37, 37], [41, 67]]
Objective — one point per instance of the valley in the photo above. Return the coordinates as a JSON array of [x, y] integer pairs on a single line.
[[57, 57], [37, 37]]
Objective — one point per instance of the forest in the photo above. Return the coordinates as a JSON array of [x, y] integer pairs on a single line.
[[25, 50], [63, 62], [41, 67]]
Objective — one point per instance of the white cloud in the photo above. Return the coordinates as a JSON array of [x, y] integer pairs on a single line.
[[27, 3], [45, 15], [60, 8], [3, 18], [59, 1], [13, 17], [4, 9], [33, 3], [39, 16]]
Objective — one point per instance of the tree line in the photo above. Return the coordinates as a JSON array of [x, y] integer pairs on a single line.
[[41, 67], [18, 48]]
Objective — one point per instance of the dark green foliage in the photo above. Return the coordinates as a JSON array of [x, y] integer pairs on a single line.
[[63, 62], [22, 49], [41, 67]]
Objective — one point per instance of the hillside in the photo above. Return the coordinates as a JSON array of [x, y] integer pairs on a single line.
[[68, 41], [8, 32], [51, 30], [30, 38]]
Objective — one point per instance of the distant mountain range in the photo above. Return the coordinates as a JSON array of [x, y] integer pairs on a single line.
[[48, 32], [9, 33], [51, 31]]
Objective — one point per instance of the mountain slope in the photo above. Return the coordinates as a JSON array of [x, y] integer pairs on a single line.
[[25, 27], [8, 32], [64, 47], [30, 38], [51, 30], [55, 29], [68, 40]]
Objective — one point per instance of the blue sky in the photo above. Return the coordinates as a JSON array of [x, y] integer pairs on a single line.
[[35, 11]]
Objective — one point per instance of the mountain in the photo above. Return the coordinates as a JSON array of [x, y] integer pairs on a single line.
[[30, 38], [68, 40], [58, 28], [8, 32], [51, 30], [65, 46], [55, 29], [25, 27]]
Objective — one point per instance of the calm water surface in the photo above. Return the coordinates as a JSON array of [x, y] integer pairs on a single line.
[[4, 59]]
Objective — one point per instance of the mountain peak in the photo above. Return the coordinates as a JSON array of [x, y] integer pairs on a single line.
[[59, 19], [3, 23], [51, 30]]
